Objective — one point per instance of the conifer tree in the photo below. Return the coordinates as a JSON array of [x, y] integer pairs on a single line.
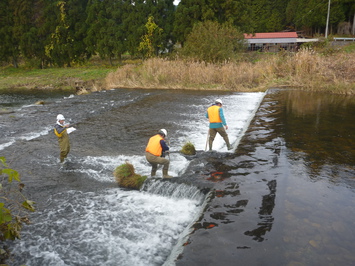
[[163, 12], [187, 14], [269, 16], [105, 35], [10, 31], [66, 42], [135, 17], [8, 49]]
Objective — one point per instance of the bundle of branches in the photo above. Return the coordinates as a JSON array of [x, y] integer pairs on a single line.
[[188, 149], [127, 178]]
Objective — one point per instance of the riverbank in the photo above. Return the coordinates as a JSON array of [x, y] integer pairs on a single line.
[[306, 69], [330, 71], [74, 78]]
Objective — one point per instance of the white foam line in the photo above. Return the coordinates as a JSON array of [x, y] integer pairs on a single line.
[[28, 136], [247, 124], [90, 166], [7, 144], [34, 135]]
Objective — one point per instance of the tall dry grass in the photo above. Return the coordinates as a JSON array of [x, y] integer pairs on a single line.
[[304, 69]]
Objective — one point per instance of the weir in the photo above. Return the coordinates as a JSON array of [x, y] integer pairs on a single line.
[[173, 190], [83, 218]]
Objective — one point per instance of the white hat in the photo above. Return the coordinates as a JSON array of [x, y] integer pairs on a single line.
[[219, 101], [60, 117], [163, 131]]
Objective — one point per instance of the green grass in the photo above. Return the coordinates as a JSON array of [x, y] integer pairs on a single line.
[[50, 78], [350, 48]]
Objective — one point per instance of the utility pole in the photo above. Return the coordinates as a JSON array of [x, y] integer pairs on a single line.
[[326, 28]]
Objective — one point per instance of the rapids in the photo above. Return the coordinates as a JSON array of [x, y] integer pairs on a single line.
[[83, 217]]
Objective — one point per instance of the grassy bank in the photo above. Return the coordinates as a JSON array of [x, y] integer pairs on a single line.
[[54, 78], [305, 69], [329, 70]]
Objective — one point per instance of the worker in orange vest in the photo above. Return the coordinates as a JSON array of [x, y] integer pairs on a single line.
[[155, 153], [217, 124]]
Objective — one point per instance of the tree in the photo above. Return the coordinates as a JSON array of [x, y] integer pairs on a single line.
[[136, 16], [213, 42], [151, 39], [239, 13], [9, 45], [134, 19], [66, 41], [310, 15], [105, 35], [187, 14], [269, 16], [29, 19], [163, 12]]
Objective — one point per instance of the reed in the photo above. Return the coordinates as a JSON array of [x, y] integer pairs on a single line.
[[305, 69]]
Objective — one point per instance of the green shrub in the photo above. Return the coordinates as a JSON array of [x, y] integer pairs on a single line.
[[213, 42], [13, 206]]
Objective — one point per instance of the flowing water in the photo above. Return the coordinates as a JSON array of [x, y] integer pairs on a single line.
[[83, 217], [283, 196]]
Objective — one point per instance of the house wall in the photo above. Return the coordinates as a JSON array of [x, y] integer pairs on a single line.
[[281, 40]]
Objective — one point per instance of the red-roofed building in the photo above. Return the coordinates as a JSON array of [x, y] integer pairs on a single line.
[[272, 35], [273, 41]]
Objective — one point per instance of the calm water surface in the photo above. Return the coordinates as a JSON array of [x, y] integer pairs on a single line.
[[286, 197]]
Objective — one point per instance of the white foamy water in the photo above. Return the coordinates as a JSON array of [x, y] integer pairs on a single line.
[[26, 136], [101, 168], [110, 227], [7, 144], [118, 227], [34, 135], [238, 111]]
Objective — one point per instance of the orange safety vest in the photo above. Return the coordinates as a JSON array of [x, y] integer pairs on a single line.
[[213, 114], [154, 146]]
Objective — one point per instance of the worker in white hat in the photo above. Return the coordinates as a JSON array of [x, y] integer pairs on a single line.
[[60, 129], [218, 124], [155, 153]]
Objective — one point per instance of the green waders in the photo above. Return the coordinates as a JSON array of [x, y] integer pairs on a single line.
[[64, 146]]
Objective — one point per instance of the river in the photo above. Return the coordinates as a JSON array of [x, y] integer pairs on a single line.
[[284, 195]]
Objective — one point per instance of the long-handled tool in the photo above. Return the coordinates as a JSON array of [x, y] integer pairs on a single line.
[[169, 148], [208, 135]]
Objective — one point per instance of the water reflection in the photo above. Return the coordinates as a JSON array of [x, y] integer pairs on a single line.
[[286, 196], [265, 214], [320, 128]]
